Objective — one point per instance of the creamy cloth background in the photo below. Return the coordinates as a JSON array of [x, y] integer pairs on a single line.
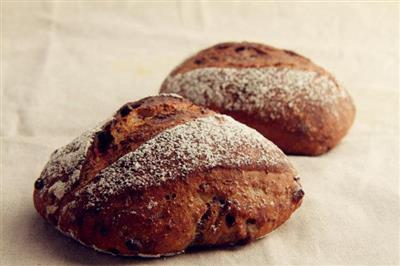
[[65, 67]]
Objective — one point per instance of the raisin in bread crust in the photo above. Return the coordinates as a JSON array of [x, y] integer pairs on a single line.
[[290, 100], [163, 175]]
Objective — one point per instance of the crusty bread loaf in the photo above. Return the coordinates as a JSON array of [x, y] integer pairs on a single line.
[[293, 102], [163, 175]]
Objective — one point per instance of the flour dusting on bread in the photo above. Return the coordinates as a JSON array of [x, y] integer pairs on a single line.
[[68, 161], [278, 90], [163, 175], [200, 144], [171, 95]]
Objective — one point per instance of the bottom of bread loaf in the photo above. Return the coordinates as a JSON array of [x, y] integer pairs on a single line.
[[148, 256], [142, 255]]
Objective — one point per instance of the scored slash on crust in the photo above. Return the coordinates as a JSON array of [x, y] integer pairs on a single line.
[[204, 142]]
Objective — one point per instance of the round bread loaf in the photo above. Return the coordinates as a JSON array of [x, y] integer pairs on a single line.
[[293, 102], [163, 175]]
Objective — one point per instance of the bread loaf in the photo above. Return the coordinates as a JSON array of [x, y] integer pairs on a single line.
[[163, 175], [290, 100]]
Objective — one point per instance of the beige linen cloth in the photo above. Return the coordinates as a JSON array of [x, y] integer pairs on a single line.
[[68, 65]]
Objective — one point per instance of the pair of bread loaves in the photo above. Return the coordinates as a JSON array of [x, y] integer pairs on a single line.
[[164, 174]]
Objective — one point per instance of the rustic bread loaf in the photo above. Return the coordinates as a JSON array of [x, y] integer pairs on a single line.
[[163, 175], [293, 102]]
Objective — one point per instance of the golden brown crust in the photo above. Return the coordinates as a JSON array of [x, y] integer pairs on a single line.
[[133, 124], [221, 205], [208, 210], [319, 130], [246, 55], [313, 128]]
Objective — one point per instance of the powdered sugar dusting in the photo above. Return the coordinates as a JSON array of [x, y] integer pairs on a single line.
[[58, 189], [269, 91], [171, 95], [67, 161], [203, 143]]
